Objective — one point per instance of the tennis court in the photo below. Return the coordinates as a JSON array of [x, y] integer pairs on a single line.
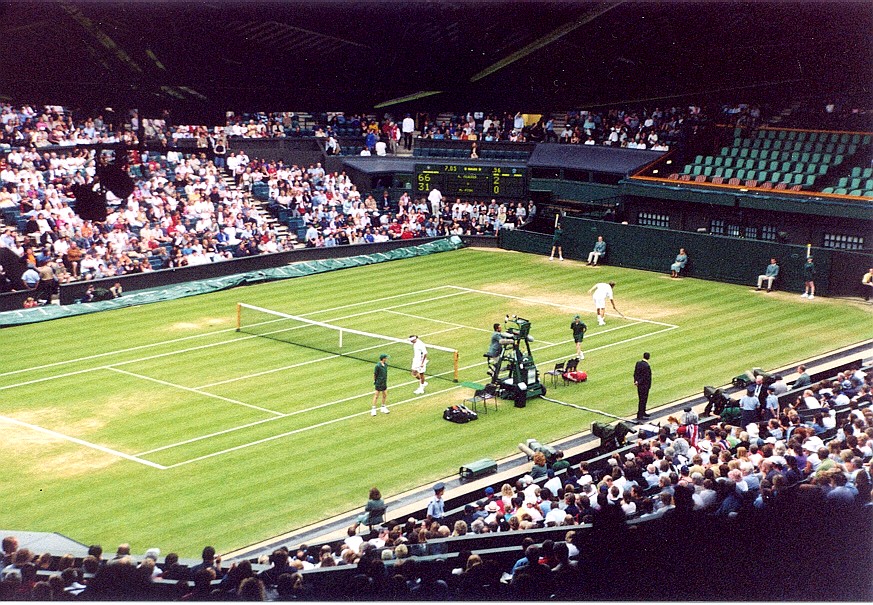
[[167, 407]]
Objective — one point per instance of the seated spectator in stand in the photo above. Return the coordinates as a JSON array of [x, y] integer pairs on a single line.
[[679, 263], [770, 275], [374, 510], [599, 250]]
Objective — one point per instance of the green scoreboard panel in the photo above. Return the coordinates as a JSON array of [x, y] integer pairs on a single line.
[[466, 181]]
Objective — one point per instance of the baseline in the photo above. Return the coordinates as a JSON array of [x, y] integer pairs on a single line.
[[88, 444]]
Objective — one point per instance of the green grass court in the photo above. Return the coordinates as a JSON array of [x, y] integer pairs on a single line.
[[161, 425]]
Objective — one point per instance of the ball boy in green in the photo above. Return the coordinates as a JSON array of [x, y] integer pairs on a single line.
[[380, 383]]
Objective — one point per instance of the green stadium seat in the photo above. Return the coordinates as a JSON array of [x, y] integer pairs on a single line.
[[843, 182], [707, 171], [698, 159], [856, 138], [777, 144], [754, 153], [816, 158], [697, 170], [735, 151], [758, 143], [761, 165], [852, 149], [801, 136], [840, 190], [868, 193], [856, 192], [775, 177], [782, 135], [725, 150], [786, 166], [738, 132], [750, 164], [855, 183], [718, 161], [807, 147], [762, 175], [827, 190], [834, 137], [844, 138], [867, 139], [811, 168], [741, 174], [822, 169], [809, 182], [688, 168], [829, 148], [762, 134], [804, 157], [728, 162], [819, 147], [771, 134], [718, 171], [838, 159], [869, 184], [768, 143], [729, 173], [795, 156], [856, 171], [708, 160], [774, 166], [827, 158], [797, 179], [840, 148]]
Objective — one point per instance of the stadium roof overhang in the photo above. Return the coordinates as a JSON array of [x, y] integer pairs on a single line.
[[207, 57]]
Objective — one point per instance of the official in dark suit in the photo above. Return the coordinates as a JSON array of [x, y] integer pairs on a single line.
[[643, 380]]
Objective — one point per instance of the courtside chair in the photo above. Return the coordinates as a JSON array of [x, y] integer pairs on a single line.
[[557, 371]]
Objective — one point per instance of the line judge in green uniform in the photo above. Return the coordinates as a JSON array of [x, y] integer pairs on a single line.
[[380, 382], [578, 327]]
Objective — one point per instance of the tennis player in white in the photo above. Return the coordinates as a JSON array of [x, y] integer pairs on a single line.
[[602, 291], [419, 362]]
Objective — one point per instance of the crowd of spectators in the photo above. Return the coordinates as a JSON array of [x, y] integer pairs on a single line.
[[181, 213], [335, 213], [34, 127]]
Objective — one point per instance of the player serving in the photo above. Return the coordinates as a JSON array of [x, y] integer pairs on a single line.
[[602, 291], [419, 362]]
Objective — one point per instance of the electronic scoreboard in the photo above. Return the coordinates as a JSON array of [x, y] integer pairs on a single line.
[[466, 181]]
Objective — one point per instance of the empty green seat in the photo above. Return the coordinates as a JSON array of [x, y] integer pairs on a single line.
[[718, 161], [829, 148], [856, 171], [767, 144], [725, 150], [867, 139], [719, 171], [856, 192], [816, 158], [822, 169], [707, 171], [843, 182], [855, 183], [840, 190], [838, 159], [844, 138], [698, 159], [801, 136], [775, 177], [728, 162], [744, 152], [827, 190], [782, 135], [809, 182], [729, 173], [797, 180], [840, 148], [697, 169], [741, 174], [754, 153], [856, 138]]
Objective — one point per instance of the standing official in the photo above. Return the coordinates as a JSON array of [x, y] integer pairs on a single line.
[[643, 380]]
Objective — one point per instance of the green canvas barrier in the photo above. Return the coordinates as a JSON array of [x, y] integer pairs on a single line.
[[141, 297]]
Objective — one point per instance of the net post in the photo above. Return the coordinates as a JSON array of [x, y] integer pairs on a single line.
[[455, 363], [238, 316]]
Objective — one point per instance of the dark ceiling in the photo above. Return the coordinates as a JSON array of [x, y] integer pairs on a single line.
[[213, 56]]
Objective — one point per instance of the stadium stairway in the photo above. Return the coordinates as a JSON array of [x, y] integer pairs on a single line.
[[282, 232]]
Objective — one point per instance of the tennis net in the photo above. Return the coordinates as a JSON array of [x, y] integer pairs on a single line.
[[342, 342]]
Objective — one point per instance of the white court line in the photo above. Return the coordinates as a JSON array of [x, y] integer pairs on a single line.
[[192, 390], [553, 304], [265, 420], [78, 441], [297, 431]]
